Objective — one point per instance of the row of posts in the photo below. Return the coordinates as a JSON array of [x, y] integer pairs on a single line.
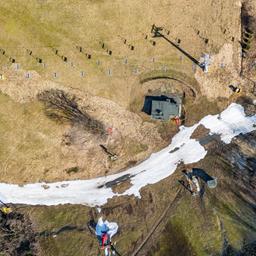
[[79, 48]]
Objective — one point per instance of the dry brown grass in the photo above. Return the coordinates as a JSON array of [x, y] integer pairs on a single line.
[[37, 146]]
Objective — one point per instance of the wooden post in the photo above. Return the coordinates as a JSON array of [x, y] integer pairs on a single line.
[[64, 58], [39, 60]]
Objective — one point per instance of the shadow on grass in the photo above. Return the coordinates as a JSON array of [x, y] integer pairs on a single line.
[[174, 242], [246, 250]]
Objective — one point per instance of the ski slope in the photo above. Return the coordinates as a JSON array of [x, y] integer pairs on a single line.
[[95, 192]]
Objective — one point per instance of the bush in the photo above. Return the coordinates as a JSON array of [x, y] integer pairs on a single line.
[[62, 107]]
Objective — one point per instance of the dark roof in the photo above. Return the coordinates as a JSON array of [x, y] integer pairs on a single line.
[[162, 107]]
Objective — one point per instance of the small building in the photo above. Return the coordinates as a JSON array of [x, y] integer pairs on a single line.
[[163, 107]]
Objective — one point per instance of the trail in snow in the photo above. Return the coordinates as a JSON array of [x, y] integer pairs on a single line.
[[230, 123]]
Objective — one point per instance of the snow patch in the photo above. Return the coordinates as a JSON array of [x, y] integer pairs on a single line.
[[230, 123]]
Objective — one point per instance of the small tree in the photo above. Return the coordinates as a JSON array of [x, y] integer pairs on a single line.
[[62, 107]]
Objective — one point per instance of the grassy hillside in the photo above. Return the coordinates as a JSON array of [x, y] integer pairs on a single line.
[[220, 222], [111, 88], [42, 25]]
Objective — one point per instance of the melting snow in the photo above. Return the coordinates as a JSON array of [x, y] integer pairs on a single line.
[[158, 166]]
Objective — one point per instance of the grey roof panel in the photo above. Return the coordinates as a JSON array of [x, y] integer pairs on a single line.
[[164, 109]]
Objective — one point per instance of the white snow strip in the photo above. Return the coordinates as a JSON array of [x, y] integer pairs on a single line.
[[158, 166]]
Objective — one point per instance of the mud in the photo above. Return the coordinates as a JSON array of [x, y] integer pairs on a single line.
[[17, 236], [247, 18], [248, 39]]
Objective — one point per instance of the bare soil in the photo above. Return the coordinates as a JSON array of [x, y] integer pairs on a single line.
[[18, 237]]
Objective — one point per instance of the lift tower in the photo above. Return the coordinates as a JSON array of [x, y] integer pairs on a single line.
[[158, 32]]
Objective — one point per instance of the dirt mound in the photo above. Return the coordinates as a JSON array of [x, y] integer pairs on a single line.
[[17, 235]]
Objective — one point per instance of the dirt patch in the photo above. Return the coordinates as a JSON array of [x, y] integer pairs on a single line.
[[207, 140], [17, 235], [71, 170], [248, 104], [247, 17], [121, 187], [222, 72], [195, 111], [199, 132], [248, 22]]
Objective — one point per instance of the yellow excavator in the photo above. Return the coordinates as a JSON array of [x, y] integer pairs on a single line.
[[4, 208]]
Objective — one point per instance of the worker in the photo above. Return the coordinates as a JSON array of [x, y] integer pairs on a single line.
[[193, 182], [176, 120], [104, 231]]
